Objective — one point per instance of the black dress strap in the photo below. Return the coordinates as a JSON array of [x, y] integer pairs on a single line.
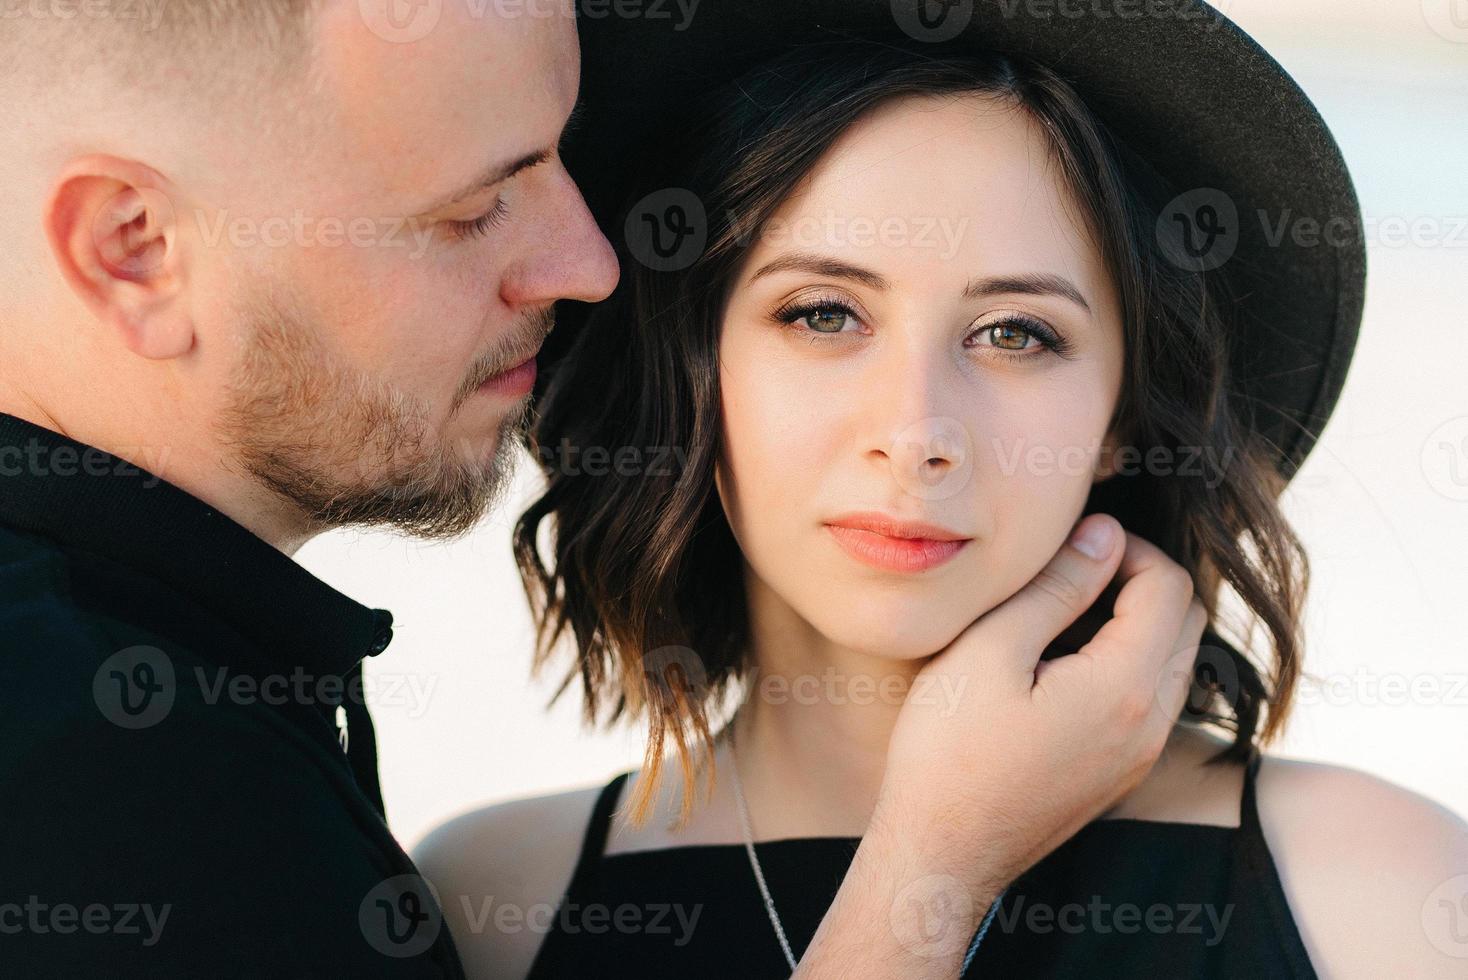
[[1249, 801], [595, 840], [1258, 876]]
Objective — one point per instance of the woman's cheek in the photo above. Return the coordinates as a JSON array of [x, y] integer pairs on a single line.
[[774, 419]]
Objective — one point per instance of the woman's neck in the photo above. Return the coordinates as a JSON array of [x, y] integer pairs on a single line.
[[814, 727]]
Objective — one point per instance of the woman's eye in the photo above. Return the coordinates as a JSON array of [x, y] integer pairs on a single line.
[[819, 318], [825, 321], [1011, 337], [1008, 335]]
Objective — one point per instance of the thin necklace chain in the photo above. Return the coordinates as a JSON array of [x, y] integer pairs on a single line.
[[764, 889], [759, 874]]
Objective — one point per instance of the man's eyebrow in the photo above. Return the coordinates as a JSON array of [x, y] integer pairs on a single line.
[[1031, 283], [573, 123], [491, 176], [505, 171], [822, 266]]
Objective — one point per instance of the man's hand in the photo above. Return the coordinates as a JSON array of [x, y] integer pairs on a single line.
[[1037, 749]]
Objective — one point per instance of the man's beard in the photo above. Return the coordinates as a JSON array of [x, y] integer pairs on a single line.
[[347, 449]]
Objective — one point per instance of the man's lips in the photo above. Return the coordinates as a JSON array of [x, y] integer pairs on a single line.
[[514, 382], [895, 545]]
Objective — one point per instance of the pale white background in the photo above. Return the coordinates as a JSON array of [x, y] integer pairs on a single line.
[[1382, 503]]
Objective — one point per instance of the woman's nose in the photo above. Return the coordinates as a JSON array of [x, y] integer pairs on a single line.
[[914, 430], [932, 457]]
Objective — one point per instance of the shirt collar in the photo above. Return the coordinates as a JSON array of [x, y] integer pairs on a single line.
[[84, 498]]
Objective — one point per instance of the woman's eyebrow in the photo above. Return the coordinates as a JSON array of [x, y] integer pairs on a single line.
[[1031, 283], [821, 265], [1028, 283]]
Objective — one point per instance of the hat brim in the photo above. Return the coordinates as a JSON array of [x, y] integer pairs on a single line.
[[1176, 80]]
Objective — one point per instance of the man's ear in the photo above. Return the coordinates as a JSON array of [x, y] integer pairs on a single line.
[[114, 237]]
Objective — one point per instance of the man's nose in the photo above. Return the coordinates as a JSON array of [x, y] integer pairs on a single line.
[[570, 257]]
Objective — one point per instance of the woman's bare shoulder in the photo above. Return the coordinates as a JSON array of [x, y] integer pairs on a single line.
[[1376, 875], [499, 872]]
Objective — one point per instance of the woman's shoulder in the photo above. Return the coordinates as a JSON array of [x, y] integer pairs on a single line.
[[1375, 874], [499, 872]]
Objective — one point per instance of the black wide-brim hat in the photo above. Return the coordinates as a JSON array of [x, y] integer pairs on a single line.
[[1255, 167]]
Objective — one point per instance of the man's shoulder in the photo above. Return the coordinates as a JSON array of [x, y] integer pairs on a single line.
[[137, 788], [226, 777], [72, 668], [73, 664], [52, 647], [35, 594], [109, 742], [211, 822]]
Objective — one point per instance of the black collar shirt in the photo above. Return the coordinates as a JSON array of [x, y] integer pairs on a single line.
[[188, 774]]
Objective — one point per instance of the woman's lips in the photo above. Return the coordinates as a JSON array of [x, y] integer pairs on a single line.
[[895, 546]]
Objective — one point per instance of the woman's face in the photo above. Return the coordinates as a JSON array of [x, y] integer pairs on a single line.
[[922, 268]]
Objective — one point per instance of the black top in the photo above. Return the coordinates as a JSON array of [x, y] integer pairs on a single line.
[[1122, 898], [174, 798]]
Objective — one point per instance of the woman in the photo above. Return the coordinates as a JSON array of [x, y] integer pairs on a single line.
[[931, 312]]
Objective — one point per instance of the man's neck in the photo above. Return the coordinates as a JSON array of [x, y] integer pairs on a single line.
[[22, 406], [194, 470]]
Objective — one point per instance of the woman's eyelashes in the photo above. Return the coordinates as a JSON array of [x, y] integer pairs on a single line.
[[821, 316], [481, 225], [822, 320], [1004, 330]]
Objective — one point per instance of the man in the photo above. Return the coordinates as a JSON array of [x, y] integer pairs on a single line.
[[275, 267]]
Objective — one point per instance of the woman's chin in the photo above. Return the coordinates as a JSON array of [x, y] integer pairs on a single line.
[[902, 639]]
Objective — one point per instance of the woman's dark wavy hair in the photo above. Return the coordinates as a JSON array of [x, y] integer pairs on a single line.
[[643, 571]]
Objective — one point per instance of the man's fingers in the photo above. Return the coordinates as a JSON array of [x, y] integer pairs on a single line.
[[1174, 680], [1148, 614], [1028, 621], [1085, 627]]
